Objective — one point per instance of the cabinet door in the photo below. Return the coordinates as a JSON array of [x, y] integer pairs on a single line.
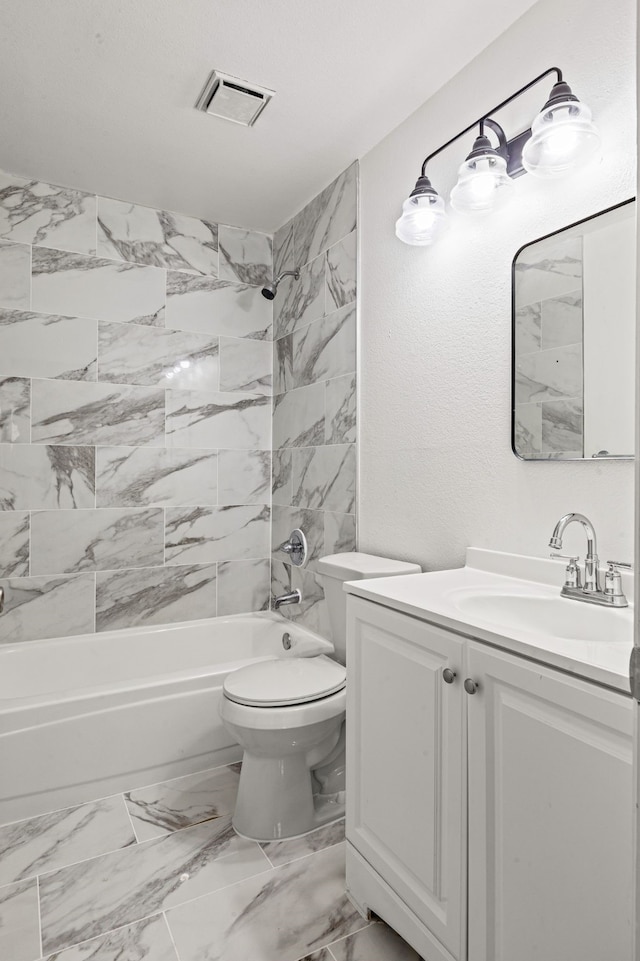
[[550, 815], [405, 770]]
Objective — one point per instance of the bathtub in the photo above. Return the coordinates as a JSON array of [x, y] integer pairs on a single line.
[[84, 717]]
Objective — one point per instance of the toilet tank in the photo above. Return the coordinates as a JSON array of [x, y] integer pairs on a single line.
[[335, 569]]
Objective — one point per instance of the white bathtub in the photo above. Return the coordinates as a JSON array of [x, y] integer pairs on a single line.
[[84, 717]]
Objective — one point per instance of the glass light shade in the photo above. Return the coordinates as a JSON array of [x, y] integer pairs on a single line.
[[483, 184], [422, 219], [563, 138]]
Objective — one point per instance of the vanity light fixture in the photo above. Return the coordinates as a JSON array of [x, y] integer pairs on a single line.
[[483, 181], [423, 215], [563, 137]]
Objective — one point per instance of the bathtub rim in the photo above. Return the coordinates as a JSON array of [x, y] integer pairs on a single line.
[[146, 684]]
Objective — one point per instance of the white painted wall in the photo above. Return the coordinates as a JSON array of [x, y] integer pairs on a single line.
[[437, 472]]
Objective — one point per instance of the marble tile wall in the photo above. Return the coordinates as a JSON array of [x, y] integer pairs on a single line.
[[314, 386], [548, 342], [135, 413]]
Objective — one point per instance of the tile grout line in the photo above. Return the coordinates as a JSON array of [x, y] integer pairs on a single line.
[[30, 275], [179, 777], [120, 927], [93, 857], [131, 847], [268, 869], [266, 856], [173, 942], [345, 937], [301, 857], [164, 536], [39, 916], [30, 518], [97, 380], [327, 947], [95, 601], [130, 819], [107, 797], [103, 934]]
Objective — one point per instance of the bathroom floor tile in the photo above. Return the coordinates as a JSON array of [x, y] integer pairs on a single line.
[[186, 891], [52, 841], [291, 911], [282, 852], [91, 898], [172, 805], [377, 942], [147, 940], [19, 930]]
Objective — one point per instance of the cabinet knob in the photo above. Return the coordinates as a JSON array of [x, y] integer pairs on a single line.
[[470, 685], [448, 675]]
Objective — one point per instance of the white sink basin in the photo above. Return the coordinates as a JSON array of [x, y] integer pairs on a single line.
[[514, 602], [547, 615]]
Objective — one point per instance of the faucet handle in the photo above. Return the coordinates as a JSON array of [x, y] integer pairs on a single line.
[[613, 581], [573, 577], [565, 557], [296, 548]]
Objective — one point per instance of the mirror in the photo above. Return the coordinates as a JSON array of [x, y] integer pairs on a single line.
[[573, 374]]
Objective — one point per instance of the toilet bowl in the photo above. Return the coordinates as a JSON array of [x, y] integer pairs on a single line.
[[288, 716]]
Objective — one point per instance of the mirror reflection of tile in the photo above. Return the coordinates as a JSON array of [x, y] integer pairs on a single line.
[[549, 332], [574, 340]]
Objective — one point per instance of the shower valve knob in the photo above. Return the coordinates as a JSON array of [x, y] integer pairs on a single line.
[[295, 548]]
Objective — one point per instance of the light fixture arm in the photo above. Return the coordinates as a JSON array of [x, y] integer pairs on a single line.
[[485, 119], [502, 148]]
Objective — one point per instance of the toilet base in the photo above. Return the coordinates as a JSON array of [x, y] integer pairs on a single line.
[[327, 810], [284, 798]]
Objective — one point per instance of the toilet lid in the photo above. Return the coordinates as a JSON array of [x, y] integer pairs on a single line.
[[293, 680]]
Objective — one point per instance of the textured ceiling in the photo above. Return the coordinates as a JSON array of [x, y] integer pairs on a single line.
[[99, 94]]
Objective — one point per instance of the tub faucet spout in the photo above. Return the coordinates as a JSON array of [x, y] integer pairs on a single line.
[[293, 597]]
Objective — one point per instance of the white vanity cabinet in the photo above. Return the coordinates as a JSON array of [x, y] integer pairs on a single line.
[[406, 768], [531, 774], [550, 814]]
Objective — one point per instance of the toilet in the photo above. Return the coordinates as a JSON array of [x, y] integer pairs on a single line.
[[288, 716]]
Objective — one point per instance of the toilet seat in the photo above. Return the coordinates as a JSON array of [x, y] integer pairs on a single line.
[[285, 682], [289, 718]]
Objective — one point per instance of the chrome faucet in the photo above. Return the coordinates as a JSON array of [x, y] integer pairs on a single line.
[[591, 572], [591, 591], [293, 597]]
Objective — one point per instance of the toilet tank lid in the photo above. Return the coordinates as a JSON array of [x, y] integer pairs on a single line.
[[355, 566]]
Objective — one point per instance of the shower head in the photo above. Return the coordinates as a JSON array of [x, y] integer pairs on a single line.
[[270, 290]]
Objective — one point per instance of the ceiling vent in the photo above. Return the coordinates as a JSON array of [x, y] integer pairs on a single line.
[[233, 99]]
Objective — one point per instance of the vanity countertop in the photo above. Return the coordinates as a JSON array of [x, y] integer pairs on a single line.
[[513, 602]]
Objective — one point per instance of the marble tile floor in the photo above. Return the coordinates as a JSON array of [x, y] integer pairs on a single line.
[[158, 874]]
